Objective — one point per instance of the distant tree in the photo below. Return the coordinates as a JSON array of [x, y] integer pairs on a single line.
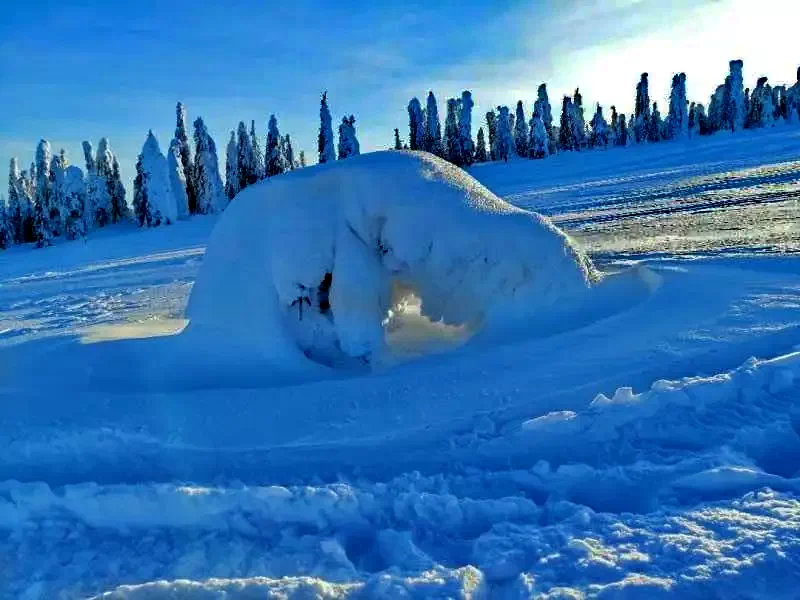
[[325, 137], [465, 127], [186, 157], [119, 204], [259, 168], [288, 153], [433, 129], [641, 115], [613, 133], [578, 121], [521, 131], [692, 126], [302, 159], [210, 191], [716, 109], [480, 151], [505, 139], [452, 141], [600, 133], [398, 143], [566, 130], [27, 184], [793, 101], [42, 200], [779, 102], [348, 143], [274, 159], [542, 108], [232, 168], [416, 125], [655, 125], [58, 164], [88, 156], [677, 117], [244, 157], [16, 200], [5, 227], [177, 181], [703, 122], [734, 113], [74, 202], [141, 207], [156, 184], [491, 127], [622, 134], [539, 144], [762, 109]]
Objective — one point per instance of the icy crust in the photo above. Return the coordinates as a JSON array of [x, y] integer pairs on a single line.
[[312, 262]]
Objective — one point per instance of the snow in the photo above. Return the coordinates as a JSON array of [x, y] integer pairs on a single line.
[[160, 196], [471, 258], [640, 451]]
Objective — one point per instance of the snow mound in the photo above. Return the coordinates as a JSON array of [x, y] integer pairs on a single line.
[[320, 261]]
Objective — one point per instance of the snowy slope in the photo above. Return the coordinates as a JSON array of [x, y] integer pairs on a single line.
[[642, 454]]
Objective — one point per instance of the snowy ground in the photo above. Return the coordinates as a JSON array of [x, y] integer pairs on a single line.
[[640, 456]]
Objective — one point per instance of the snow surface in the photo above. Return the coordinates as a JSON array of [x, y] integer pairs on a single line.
[[643, 454]]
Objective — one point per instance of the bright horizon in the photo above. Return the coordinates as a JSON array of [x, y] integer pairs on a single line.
[[118, 71]]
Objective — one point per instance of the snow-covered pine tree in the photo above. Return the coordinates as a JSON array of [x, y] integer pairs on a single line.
[[141, 208], [156, 184], [273, 157], [655, 125], [88, 156], [641, 115], [119, 204], [58, 165], [521, 132], [288, 153], [613, 131], [539, 144], [301, 159], [177, 181], [677, 117], [623, 134], [348, 142], [182, 135], [231, 168], [491, 126], [452, 143], [16, 203], [416, 125], [210, 192], [779, 102], [398, 144], [465, 127], [793, 101], [735, 105], [747, 123], [566, 130], [480, 150], [542, 108], [259, 166], [433, 128], [5, 227], [42, 202], [578, 121], [505, 138], [691, 129], [74, 201], [244, 157], [325, 137], [600, 132], [716, 107], [762, 110]]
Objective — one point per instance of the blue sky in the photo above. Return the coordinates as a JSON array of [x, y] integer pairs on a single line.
[[81, 70]]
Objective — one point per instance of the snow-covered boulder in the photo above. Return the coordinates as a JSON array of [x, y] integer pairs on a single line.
[[312, 262]]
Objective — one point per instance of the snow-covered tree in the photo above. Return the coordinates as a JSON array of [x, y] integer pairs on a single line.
[[119, 204], [116, 208], [793, 101], [244, 157], [762, 110], [16, 203], [208, 185], [521, 132], [480, 151], [42, 202], [491, 127], [325, 137], [88, 156], [566, 130], [273, 155], [288, 153], [613, 132], [259, 166], [599, 136], [641, 116], [141, 208], [58, 165], [74, 201], [301, 159], [623, 135], [655, 125], [348, 142], [181, 134], [231, 168], [734, 113], [398, 143], [716, 116], [678, 118], [6, 238], [779, 102], [98, 200], [161, 205], [465, 127], [452, 143], [539, 143], [177, 181], [578, 121], [416, 125], [505, 138], [433, 129], [542, 108]]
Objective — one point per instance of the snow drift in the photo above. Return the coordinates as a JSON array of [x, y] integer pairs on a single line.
[[317, 261]]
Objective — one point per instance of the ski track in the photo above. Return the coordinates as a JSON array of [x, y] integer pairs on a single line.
[[630, 458]]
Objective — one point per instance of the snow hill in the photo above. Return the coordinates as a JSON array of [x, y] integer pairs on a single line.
[[648, 450]]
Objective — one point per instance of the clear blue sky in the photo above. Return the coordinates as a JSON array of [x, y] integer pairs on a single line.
[[81, 70]]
